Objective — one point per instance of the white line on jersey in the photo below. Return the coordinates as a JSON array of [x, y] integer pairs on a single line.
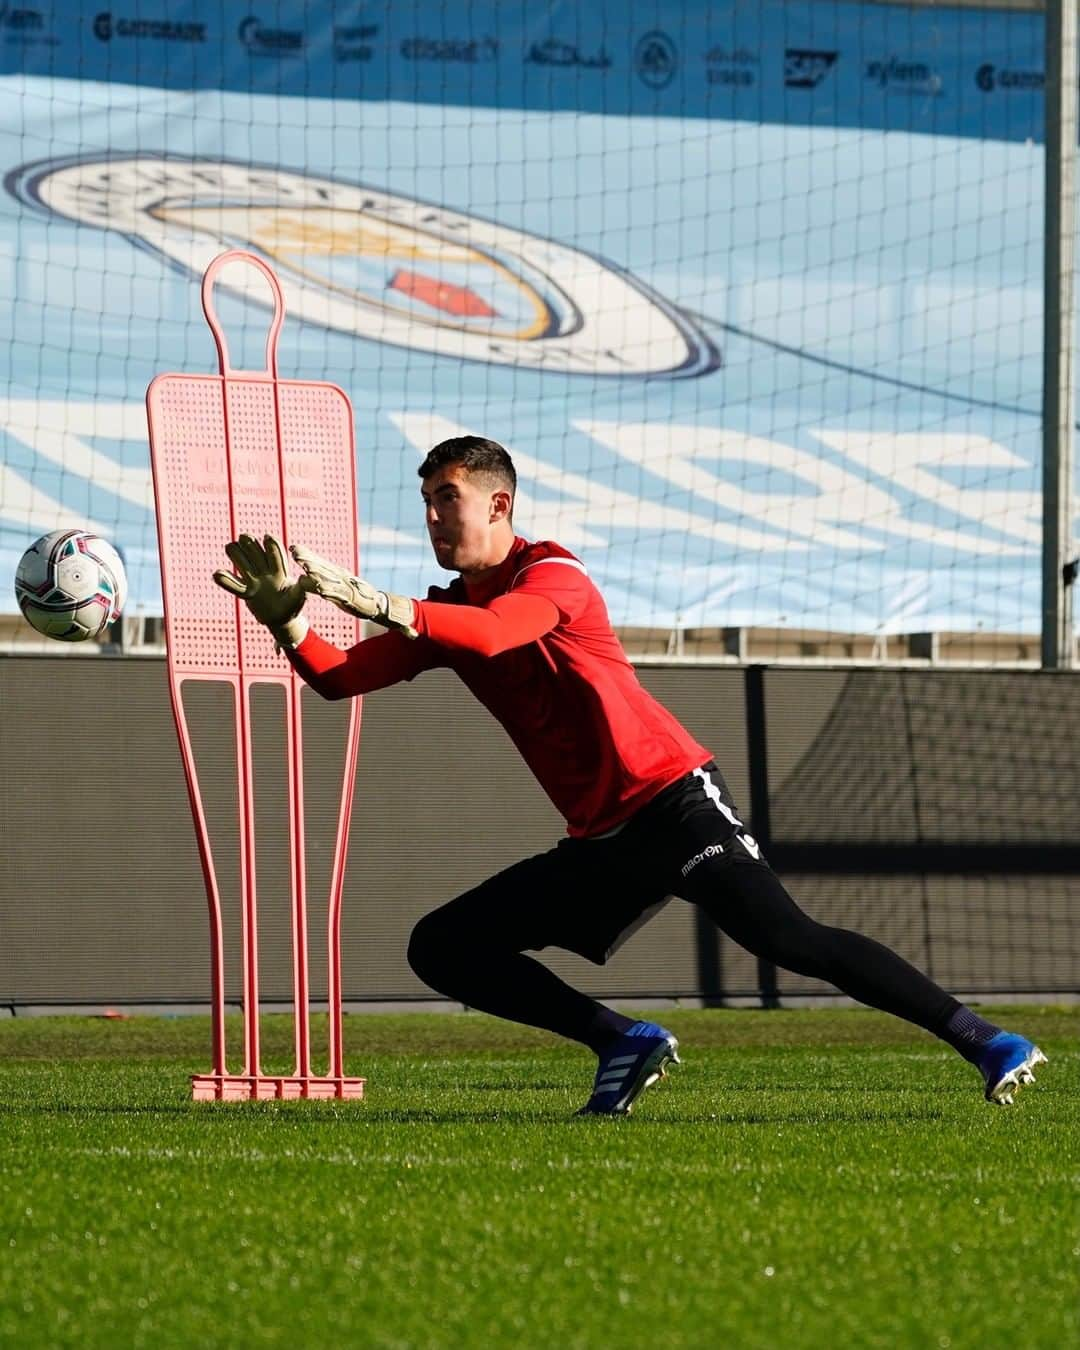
[[566, 562], [713, 794]]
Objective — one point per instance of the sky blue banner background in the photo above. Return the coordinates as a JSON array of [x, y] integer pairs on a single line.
[[830, 215]]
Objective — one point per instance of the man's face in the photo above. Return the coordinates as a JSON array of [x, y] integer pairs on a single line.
[[460, 511]]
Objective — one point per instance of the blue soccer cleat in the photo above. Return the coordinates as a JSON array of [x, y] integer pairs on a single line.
[[631, 1064], [1006, 1064]]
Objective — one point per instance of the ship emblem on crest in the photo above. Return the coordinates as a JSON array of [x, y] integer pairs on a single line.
[[380, 266]]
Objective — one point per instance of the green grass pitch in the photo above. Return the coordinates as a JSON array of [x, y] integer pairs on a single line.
[[805, 1179]]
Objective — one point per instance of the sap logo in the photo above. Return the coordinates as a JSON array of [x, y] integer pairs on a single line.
[[279, 43], [382, 267], [805, 68], [989, 77]]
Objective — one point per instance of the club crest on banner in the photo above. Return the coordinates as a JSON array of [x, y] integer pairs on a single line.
[[381, 266]]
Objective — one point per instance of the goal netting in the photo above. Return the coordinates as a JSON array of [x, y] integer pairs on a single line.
[[752, 293]]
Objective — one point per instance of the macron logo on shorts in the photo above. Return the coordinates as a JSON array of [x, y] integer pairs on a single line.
[[711, 852]]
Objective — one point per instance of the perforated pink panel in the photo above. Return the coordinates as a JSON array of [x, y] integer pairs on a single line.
[[246, 453], [204, 428]]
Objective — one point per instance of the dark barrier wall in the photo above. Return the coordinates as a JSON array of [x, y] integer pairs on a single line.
[[936, 812]]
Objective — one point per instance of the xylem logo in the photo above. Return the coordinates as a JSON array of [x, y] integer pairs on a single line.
[[909, 77], [22, 27], [380, 266], [805, 68], [21, 20]]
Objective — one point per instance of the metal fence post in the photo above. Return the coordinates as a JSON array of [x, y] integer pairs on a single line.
[[1059, 258], [757, 748]]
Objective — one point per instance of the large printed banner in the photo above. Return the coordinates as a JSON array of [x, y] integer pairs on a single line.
[[753, 296], [962, 71]]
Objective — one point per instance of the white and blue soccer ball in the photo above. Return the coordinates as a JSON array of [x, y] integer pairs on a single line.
[[70, 585]]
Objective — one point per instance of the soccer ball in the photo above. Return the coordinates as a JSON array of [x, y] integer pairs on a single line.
[[70, 585]]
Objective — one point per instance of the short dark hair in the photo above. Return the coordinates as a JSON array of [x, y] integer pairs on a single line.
[[475, 454]]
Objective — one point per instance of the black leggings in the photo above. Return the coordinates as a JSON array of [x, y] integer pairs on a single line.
[[588, 896], [759, 914]]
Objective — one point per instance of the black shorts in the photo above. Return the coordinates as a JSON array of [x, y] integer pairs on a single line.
[[589, 895]]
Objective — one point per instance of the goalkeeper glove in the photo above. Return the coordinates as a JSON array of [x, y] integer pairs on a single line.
[[354, 596], [265, 586]]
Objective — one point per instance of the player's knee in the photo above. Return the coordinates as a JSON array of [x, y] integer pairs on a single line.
[[420, 948], [431, 947]]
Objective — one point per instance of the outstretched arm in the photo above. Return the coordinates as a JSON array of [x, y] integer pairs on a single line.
[[512, 620], [508, 621], [545, 594], [275, 599], [373, 664]]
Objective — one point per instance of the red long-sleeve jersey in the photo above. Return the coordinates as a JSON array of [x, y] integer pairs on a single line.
[[535, 645]]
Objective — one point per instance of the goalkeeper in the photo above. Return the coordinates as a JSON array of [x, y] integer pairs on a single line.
[[647, 810]]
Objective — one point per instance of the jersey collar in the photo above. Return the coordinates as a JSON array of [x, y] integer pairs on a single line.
[[479, 593]]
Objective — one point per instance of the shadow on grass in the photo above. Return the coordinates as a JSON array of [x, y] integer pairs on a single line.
[[90, 1109], [357, 1115], [513, 1117]]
